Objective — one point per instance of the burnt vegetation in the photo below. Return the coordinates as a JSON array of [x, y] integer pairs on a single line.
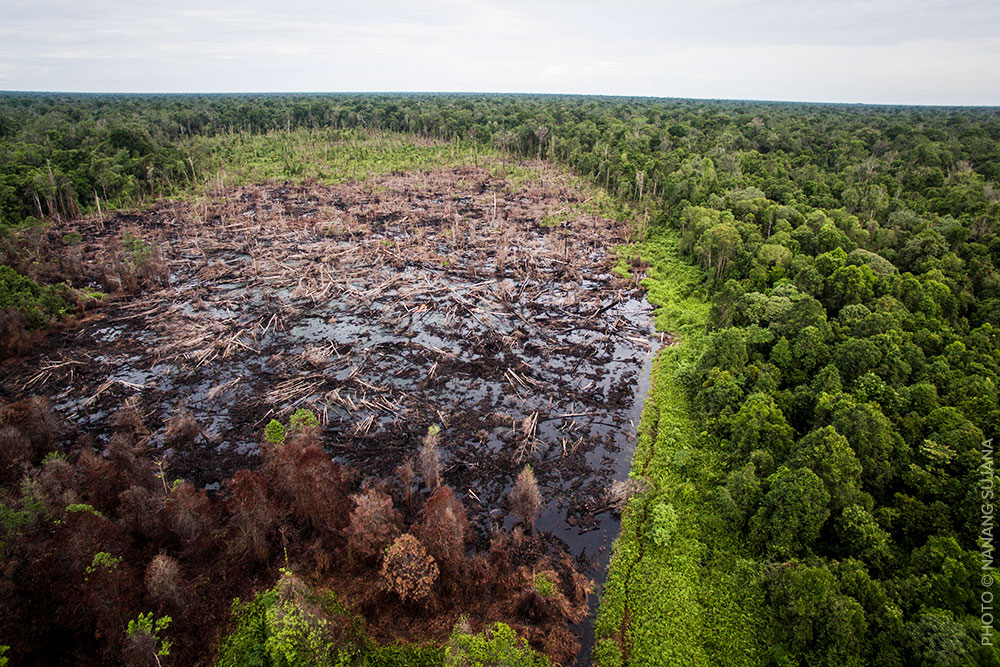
[[117, 540], [368, 302]]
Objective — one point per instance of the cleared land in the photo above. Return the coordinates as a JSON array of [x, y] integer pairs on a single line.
[[451, 297]]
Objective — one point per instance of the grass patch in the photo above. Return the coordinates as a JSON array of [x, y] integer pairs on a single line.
[[680, 590], [328, 156]]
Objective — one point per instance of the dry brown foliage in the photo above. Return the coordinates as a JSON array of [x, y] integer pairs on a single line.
[[28, 431], [189, 513], [94, 471], [132, 272], [565, 596], [37, 424], [525, 498], [128, 423], [621, 491], [373, 526], [309, 482], [14, 339], [406, 474], [443, 532], [430, 459], [500, 559], [140, 510], [57, 485], [254, 519], [408, 570], [181, 432], [15, 452], [140, 651], [165, 582]]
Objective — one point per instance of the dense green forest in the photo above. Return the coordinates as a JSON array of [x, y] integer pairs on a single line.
[[848, 369]]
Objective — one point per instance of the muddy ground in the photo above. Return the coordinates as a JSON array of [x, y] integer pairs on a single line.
[[449, 298]]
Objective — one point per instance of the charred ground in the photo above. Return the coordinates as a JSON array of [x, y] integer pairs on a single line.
[[451, 298]]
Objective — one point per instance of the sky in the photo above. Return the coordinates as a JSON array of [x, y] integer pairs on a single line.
[[881, 52]]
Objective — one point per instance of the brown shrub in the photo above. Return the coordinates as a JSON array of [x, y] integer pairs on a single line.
[[111, 592], [443, 532], [556, 641], [181, 432], [430, 460], [95, 472], [552, 594], [37, 425], [254, 519], [127, 423], [481, 575], [500, 560], [72, 265], [621, 491], [374, 525], [14, 339], [129, 465], [99, 595], [309, 483], [84, 533], [164, 582], [15, 454], [57, 485], [189, 514], [141, 512], [129, 453], [408, 570], [525, 498], [542, 602], [407, 476], [318, 554], [140, 651], [577, 588], [132, 270]]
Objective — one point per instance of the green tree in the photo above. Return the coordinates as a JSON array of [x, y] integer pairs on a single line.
[[497, 646], [760, 424], [829, 455], [718, 246], [813, 620], [935, 639], [850, 284], [862, 537], [868, 431], [791, 514]]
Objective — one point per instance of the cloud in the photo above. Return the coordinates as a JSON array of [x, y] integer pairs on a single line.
[[922, 51]]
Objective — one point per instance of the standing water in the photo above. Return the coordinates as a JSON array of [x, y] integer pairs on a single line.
[[387, 314]]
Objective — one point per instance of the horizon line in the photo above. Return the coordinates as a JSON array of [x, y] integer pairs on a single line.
[[500, 94]]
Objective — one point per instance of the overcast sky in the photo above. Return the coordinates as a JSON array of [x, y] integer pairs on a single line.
[[892, 51]]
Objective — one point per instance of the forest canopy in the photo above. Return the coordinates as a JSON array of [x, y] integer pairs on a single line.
[[851, 361]]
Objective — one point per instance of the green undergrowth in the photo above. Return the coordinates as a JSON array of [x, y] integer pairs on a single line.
[[680, 590], [295, 625], [291, 625], [672, 285], [332, 156], [39, 304], [328, 156]]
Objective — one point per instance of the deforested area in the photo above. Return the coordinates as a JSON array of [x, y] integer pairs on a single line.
[[444, 298], [450, 354], [379, 379]]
